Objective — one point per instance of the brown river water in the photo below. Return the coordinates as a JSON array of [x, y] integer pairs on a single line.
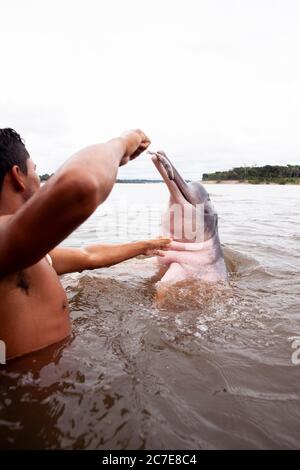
[[213, 367]]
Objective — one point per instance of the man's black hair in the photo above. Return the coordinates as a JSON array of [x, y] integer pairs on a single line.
[[12, 152]]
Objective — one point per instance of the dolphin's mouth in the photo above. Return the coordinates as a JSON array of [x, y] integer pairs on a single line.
[[170, 174], [165, 162]]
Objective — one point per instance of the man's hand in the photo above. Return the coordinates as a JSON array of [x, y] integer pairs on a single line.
[[153, 247], [135, 143]]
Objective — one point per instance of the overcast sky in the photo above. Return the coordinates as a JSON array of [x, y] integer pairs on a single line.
[[215, 83]]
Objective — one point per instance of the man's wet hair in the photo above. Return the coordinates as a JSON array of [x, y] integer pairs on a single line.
[[12, 152]]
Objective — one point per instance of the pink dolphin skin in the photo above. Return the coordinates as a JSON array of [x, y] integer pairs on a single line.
[[192, 222]]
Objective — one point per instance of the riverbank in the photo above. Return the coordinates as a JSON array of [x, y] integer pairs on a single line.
[[290, 181], [275, 181]]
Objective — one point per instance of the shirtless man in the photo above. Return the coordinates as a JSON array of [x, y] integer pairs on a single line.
[[34, 310]]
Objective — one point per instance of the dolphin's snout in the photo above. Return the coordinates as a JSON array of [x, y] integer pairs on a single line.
[[166, 164], [161, 157]]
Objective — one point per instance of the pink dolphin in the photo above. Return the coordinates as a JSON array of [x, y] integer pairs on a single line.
[[193, 224]]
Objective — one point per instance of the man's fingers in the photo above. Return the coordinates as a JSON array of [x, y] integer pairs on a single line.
[[165, 241], [153, 252], [160, 253], [136, 142], [142, 147], [162, 244]]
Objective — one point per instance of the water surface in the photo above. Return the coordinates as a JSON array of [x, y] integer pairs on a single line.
[[211, 369]]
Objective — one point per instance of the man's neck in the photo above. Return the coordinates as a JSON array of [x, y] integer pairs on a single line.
[[10, 205]]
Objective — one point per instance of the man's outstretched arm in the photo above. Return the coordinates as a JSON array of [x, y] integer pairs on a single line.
[[68, 260], [65, 201]]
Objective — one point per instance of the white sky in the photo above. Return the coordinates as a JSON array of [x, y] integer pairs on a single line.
[[215, 83]]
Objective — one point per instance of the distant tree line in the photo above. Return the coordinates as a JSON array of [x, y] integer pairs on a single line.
[[267, 173], [138, 181], [46, 176]]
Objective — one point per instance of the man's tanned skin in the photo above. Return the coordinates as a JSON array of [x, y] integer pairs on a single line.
[[34, 310]]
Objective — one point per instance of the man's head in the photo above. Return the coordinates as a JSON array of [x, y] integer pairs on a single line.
[[17, 170]]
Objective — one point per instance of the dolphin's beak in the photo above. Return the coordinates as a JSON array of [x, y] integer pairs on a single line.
[[172, 178], [163, 161]]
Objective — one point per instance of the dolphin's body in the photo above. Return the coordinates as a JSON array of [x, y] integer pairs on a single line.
[[193, 224]]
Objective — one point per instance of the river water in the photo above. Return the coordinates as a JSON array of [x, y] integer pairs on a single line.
[[210, 368]]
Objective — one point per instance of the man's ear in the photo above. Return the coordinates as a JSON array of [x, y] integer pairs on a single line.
[[17, 178]]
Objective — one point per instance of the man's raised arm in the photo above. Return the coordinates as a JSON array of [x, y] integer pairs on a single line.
[[65, 201]]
